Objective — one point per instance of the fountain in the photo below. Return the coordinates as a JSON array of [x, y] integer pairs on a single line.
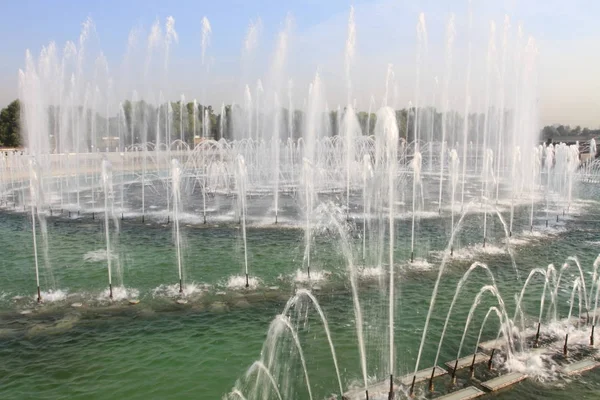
[[342, 180]]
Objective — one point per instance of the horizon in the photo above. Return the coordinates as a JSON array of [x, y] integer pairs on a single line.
[[316, 41]]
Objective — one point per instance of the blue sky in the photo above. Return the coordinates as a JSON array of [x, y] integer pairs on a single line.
[[567, 34]]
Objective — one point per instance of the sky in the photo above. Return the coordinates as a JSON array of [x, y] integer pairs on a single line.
[[566, 34]]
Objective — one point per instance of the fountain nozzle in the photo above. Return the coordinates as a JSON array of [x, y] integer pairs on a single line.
[[472, 367], [565, 349], [537, 335], [39, 298], [180, 285], [412, 386], [247, 283], [391, 394], [592, 336], [431, 379], [491, 360], [110, 294], [412, 256], [454, 372]]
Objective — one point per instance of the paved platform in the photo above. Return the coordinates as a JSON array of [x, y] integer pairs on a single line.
[[467, 393], [379, 390], [503, 381], [422, 375], [580, 366], [466, 361], [492, 344]]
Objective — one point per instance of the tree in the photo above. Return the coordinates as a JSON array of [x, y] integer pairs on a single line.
[[10, 125]]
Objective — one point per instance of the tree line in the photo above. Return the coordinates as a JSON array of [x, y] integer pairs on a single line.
[[139, 122]]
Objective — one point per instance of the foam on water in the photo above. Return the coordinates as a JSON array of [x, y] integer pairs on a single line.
[[301, 276], [238, 282], [119, 293], [469, 252], [52, 296], [418, 264], [536, 365]]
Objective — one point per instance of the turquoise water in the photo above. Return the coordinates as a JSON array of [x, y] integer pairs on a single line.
[[159, 349]]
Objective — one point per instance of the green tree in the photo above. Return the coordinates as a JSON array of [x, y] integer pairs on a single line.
[[10, 125]]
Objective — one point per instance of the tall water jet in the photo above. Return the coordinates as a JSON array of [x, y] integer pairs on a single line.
[[34, 189], [206, 33], [350, 122], [454, 164], [386, 149], [176, 183], [367, 175], [107, 185], [450, 32], [488, 170], [241, 178], [467, 108], [275, 149], [307, 181], [416, 165]]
